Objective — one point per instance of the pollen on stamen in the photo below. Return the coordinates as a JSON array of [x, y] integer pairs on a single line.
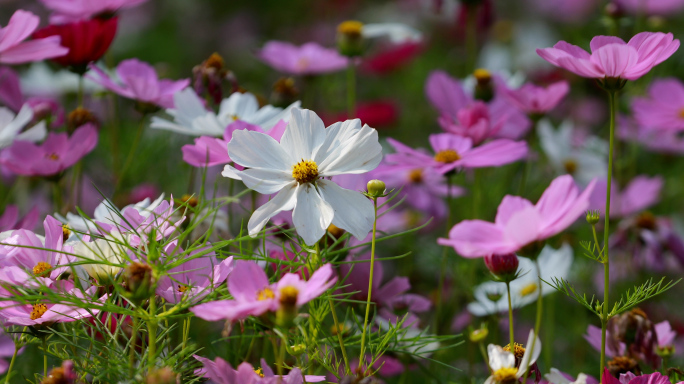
[[306, 171], [52, 156], [447, 156], [182, 288], [265, 294], [528, 289], [416, 176], [38, 311], [505, 375], [259, 372], [41, 268], [570, 166]]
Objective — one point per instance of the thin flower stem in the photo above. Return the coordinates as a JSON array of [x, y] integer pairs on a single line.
[[131, 350], [483, 351], [612, 100], [14, 357], [152, 334], [510, 316], [80, 91], [44, 356], [445, 252], [593, 229], [339, 337], [351, 89], [370, 280], [537, 323], [131, 153], [57, 196]]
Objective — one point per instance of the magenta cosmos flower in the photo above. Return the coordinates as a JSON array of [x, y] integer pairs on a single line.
[[519, 223], [630, 378], [75, 10], [254, 295], [538, 100], [462, 115], [651, 7], [309, 59], [663, 108], [13, 48], [641, 193], [454, 152], [611, 57], [139, 81], [221, 372], [56, 154], [195, 278]]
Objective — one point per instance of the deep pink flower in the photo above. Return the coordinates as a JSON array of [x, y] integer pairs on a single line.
[[13, 48], [454, 152], [254, 296], [462, 115], [663, 108], [139, 81], [651, 7], [210, 151], [309, 59], [10, 219], [56, 154], [10, 89], [377, 114], [75, 10], [392, 57], [630, 378], [195, 278], [538, 100], [641, 193], [221, 372], [654, 139], [519, 223], [611, 57]]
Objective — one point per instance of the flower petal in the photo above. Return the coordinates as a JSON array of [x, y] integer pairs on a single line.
[[312, 215], [353, 211], [303, 136], [285, 200]]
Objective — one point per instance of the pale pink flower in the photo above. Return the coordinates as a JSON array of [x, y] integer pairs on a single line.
[[74, 10], [651, 7], [221, 372], [641, 193], [533, 99], [519, 223], [663, 108], [13, 48], [309, 59], [611, 57]]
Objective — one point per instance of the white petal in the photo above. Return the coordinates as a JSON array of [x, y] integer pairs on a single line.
[[238, 104], [360, 154], [396, 32], [208, 125], [498, 358], [530, 356], [258, 150], [312, 215], [335, 135], [9, 132], [555, 377], [285, 200], [35, 133], [353, 211], [232, 173], [266, 181], [304, 135], [188, 107]]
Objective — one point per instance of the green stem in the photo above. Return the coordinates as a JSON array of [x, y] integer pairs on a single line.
[[339, 337], [57, 196], [471, 38], [131, 350], [483, 351], [80, 91], [186, 331], [44, 356], [152, 334], [351, 90], [612, 99], [477, 193], [131, 152], [370, 282], [445, 252], [510, 316], [14, 357]]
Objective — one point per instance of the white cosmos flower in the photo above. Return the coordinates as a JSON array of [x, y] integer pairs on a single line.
[[397, 33], [556, 377], [584, 163], [502, 363], [11, 125], [191, 118], [297, 169], [106, 254], [491, 297]]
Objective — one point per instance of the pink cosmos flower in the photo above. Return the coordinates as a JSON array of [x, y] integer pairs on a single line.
[[210, 151], [663, 108], [462, 115], [221, 372], [10, 89], [45, 313], [611, 57], [391, 296], [391, 57], [309, 59], [13, 48], [593, 337], [654, 139], [59, 152], [139, 81], [641, 193], [519, 223], [254, 296], [10, 219], [75, 10], [651, 7], [454, 152], [195, 278], [630, 378], [537, 100]]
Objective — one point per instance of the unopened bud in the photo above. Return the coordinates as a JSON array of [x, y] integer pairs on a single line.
[[665, 352], [288, 306], [140, 281], [80, 116], [190, 200], [483, 88], [297, 349], [503, 267], [350, 38], [479, 335], [593, 216], [376, 188], [161, 376], [284, 92]]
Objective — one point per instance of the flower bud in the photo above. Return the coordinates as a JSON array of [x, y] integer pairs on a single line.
[[288, 306], [79, 117], [503, 267], [376, 188], [350, 38], [665, 352], [483, 88], [189, 200], [593, 216], [284, 92], [478, 335], [163, 375], [139, 281], [297, 349], [209, 76]]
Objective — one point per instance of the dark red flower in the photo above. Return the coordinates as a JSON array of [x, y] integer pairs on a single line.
[[391, 58], [376, 114], [87, 40]]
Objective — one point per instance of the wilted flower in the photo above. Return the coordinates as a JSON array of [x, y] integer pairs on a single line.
[[13, 48]]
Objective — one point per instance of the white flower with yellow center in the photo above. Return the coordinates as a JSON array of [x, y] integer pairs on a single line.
[[297, 167], [191, 118], [502, 363]]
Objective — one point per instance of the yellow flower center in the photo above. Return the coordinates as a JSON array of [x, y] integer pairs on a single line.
[[482, 74], [38, 311], [570, 166], [182, 288], [41, 268], [265, 294], [350, 28], [234, 117], [416, 175], [53, 157], [447, 156], [66, 232], [288, 295], [681, 113], [518, 350], [259, 372], [306, 171], [528, 289], [505, 375]]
